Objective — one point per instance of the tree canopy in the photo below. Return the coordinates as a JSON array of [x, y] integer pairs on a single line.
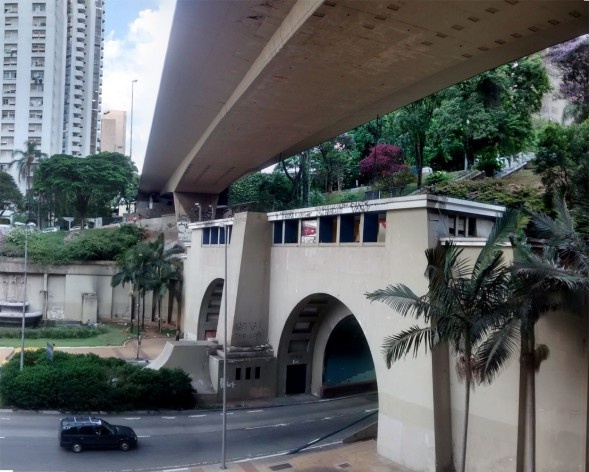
[[10, 196], [90, 185]]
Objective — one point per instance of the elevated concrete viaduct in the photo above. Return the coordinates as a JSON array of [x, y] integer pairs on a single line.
[[247, 83]]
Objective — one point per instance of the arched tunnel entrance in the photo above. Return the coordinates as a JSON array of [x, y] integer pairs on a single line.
[[209, 310], [347, 363], [323, 351]]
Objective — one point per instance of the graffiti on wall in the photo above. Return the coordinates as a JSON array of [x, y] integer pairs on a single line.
[[248, 331]]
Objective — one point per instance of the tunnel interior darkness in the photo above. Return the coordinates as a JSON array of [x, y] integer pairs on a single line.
[[348, 366]]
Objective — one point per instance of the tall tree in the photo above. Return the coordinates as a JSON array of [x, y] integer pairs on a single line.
[[414, 120], [90, 183], [462, 306], [10, 196], [572, 60], [490, 114], [555, 277]]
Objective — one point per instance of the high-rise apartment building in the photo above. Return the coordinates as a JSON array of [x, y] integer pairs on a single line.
[[113, 131], [51, 76]]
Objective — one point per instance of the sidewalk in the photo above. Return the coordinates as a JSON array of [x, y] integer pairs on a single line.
[[360, 456]]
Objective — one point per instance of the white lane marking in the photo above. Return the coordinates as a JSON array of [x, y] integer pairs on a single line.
[[133, 418], [145, 436], [197, 416], [279, 425], [254, 411], [371, 410], [228, 413], [168, 417]]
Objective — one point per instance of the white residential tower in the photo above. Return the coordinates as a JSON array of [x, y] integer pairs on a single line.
[[51, 77]]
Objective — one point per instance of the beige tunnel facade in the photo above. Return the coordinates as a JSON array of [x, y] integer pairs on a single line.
[[286, 290]]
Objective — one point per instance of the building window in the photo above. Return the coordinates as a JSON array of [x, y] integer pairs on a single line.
[[8, 114], [328, 229], [10, 35], [375, 225], [308, 231], [10, 49], [35, 128], [257, 372], [11, 21], [37, 88], [36, 115], [9, 75], [38, 7], [8, 101], [7, 127], [349, 229], [11, 8], [37, 76], [39, 21], [38, 34], [462, 226], [248, 373], [38, 62], [37, 47], [238, 373], [9, 88], [7, 141], [9, 61]]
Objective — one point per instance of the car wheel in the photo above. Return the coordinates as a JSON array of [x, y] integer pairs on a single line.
[[77, 447], [125, 446]]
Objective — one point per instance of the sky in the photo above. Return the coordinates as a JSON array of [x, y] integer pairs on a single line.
[[135, 41]]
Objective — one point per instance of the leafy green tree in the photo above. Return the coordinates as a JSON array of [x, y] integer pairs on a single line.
[[90, 183], [561, 161], [462, 306], [414, 121], [335, 162], [490, 114], [264, 191], [572, 60], [10, 196]]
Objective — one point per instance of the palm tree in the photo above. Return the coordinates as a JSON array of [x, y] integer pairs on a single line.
[[167, 270], [462, 306], [27, 160], [541, 282]]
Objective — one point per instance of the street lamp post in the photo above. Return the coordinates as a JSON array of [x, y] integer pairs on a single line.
[[24, 305], [224, 436], [133, 82]]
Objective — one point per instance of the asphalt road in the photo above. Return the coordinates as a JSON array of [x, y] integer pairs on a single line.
[[28, 441]]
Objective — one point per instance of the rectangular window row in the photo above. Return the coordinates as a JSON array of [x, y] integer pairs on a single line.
[[216, 235], [462, 226], [248, 373], [367, 227]]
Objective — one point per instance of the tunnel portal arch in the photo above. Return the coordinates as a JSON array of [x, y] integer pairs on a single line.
[[210, 307], [323, 350]]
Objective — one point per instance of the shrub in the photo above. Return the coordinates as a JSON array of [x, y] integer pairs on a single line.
[[437, 178], [61, 248], [86, 382], [77, 332]]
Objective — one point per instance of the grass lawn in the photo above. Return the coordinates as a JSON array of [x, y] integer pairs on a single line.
[[115, 336]]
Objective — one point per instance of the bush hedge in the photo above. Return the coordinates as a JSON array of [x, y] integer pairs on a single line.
[[86, 382], [101, 244], [64, 332]]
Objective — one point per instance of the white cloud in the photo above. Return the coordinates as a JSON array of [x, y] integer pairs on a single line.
[[138, 55]]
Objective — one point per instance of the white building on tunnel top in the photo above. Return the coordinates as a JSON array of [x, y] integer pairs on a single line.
[[299, 321]]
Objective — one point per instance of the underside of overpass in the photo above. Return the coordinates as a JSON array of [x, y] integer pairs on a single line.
[[246, 83]]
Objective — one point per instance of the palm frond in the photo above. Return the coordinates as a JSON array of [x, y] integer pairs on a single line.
[[490, 357], [398, 346], [402, 299]]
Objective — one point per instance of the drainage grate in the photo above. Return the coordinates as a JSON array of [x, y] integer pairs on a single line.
[[281, 466]]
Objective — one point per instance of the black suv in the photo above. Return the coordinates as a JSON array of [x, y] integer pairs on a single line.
[[89, 432]]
